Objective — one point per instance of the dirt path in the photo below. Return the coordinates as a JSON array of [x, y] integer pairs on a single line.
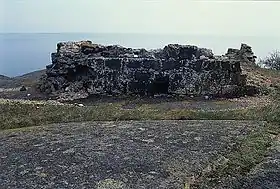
[[148, 154]]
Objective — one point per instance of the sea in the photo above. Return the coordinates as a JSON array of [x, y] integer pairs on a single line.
[[22, 53]]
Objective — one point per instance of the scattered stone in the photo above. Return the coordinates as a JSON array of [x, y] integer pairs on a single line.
[[38, 168], [141, 129], [197, 138], [153, 173], [148, 140], [69, 151], [24, 172], [67, 89], [42, 175]]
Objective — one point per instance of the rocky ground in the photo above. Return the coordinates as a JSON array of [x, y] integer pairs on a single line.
[[145, 154], [161, 102]]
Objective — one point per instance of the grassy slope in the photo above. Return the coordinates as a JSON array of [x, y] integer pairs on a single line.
[[266, 79], [16, 114]]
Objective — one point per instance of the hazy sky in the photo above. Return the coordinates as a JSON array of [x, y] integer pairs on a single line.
[[142, 16]]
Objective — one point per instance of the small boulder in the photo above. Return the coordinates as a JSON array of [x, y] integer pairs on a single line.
[[23, 88], [79, 105]]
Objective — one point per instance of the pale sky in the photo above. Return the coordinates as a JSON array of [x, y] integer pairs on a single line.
[[257, 18]]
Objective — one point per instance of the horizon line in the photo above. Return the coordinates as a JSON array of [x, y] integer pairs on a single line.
[[135, 33]]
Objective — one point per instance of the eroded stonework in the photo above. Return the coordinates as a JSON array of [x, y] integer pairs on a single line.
[[80, 69]]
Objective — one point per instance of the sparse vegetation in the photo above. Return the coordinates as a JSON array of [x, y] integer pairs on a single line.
[[272, 61], [248, 152], [14, 114], [234, 165]]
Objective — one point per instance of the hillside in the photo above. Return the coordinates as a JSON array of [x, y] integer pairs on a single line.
[[32, 75], [28, 79], [4, 77], [266, 79]]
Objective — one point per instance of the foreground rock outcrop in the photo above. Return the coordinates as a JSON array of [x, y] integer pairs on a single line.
[[80, 69], [131, 155]]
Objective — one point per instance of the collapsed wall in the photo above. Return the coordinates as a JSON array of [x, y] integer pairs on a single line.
[[244, 54], [80, 69]]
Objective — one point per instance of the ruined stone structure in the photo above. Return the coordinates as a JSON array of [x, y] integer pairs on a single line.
[[80, 69], [244, 54]]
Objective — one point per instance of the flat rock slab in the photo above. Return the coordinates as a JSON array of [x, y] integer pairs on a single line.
[[138, 154]]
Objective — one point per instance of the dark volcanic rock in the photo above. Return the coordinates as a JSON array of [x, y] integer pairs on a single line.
[[130, 155], [23, 88], [80, 69], [245, 55]]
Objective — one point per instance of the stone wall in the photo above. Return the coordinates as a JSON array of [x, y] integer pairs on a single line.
[[245, 54], [80, 69]]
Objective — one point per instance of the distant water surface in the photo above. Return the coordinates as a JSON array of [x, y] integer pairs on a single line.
[[21, 53]]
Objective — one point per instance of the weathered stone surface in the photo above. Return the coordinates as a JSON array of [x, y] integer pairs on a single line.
[[127, 155], [89, 69], [245, 54]]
